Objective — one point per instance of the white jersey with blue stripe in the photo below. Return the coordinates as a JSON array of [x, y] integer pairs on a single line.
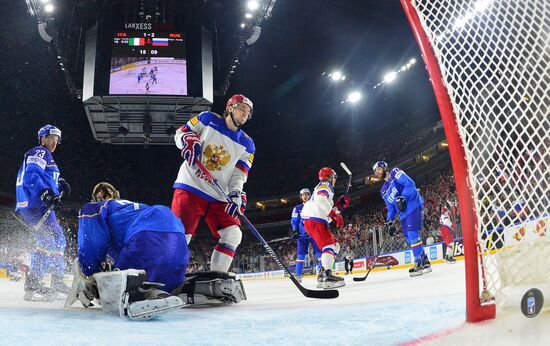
[[320, 204], [227, 154]]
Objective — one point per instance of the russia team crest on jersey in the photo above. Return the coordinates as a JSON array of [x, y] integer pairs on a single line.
[[215, 157]]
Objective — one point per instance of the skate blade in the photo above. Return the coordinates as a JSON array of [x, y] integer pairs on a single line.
[[148, 309], [330, 285], [418, 273], [427, 270], [450, 262]]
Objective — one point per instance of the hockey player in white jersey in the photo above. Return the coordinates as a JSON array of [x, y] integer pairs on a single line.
[[318, 213], [227, 152], [447, 229]]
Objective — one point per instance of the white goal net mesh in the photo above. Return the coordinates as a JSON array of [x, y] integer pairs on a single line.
[[494, 57]]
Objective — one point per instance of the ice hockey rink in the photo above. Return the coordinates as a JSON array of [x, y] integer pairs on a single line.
[[389, 308], [171, 80]]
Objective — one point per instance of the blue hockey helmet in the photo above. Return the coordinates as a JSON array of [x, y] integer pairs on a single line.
[[382, 164], [305, 190], [47, 130]]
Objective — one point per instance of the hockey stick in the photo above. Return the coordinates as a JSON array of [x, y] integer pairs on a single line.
[[325, 294], [374, 261], [349, 174], [42, 219]]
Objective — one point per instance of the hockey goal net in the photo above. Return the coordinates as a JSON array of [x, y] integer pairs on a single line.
[[488, 61]]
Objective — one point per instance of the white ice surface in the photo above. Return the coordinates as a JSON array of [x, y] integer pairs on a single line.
[[388, 308]]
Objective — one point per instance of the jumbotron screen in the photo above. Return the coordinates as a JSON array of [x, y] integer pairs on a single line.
[[145, 63]]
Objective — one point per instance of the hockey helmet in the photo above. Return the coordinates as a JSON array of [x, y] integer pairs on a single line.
[[104, 191], [382, 164], [47, 130], [305, 190], [327, 172], [239, 98]]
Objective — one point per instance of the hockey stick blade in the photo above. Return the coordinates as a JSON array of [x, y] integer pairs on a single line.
[[349, 174], [363, 278], [345, 168], [325, 294]]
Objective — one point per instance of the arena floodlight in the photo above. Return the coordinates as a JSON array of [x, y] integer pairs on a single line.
[[248, 15], [242, 25], [354, 96], [48, 8], [336, 76], [390, 77], [252, 5], [45, 1], [412, 61]]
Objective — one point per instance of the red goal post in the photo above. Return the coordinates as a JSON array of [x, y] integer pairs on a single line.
[[488, 64]]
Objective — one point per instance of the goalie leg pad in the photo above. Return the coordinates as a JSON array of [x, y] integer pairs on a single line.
[[114, 288], [125, 292], [211, 288]]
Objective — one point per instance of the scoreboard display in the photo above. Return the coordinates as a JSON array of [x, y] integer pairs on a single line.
[[144, 63]]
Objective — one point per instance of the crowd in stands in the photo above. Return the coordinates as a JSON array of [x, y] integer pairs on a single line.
[[364, 227]]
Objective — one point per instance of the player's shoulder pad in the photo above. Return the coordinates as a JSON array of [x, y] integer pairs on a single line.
[[325, 185], [39, 156], [247, 142], [92, 209], [207, 116], [395, 172]]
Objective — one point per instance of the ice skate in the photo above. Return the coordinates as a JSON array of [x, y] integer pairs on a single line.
[[36, 292], [449, 259], [326, 280]]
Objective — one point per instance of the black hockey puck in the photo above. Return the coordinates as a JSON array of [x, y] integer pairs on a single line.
[[532, 303]]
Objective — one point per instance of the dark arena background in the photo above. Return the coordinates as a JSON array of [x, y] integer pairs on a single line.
[[331, 82]]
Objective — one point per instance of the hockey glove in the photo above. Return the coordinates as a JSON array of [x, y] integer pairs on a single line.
[[49, 199], [237, 205], [64, 187], [401, 203], [390, 228], [342, 202], [192, 147], [294, 233], [337, 218]]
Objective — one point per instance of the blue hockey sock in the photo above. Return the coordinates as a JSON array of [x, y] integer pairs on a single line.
[[416, 245], [300, 259]]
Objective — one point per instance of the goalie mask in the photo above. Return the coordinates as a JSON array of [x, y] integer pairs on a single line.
[[104, 192]]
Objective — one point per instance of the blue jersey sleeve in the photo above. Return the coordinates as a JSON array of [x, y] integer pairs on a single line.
[[93, 236], [295, 220], [392, 210], [409, 187]]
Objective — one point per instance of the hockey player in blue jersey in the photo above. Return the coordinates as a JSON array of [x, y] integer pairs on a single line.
[[299, 233], [147, 248], [401, 197], [38, 189], [145, 244]]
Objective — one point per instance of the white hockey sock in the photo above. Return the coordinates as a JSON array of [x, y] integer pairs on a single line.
[[220, 261], [327, 260], [449, 251]]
